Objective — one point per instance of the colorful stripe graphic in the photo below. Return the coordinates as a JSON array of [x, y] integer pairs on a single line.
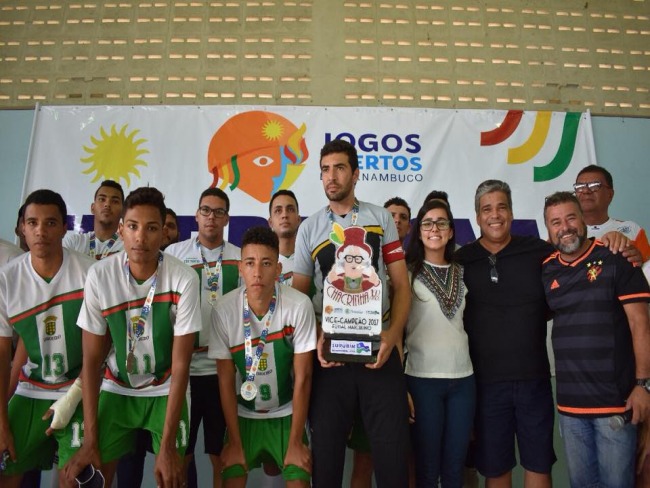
[[535, 142]]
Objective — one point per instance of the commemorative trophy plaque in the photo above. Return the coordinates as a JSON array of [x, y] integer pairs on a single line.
[[352, 300]]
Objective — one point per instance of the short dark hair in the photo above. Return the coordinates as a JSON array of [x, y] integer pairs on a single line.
[[592, 168], [215, 192], [146, 195], [398, 201], [262, 236], [341, 146], [46, 197], [110, 184], [21, 215], [560, 197], [279, 193], [437, 195], [172, 213]]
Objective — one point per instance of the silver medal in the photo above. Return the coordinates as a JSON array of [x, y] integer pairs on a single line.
[[248, 390]]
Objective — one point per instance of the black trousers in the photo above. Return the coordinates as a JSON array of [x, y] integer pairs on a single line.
[[380, 396]]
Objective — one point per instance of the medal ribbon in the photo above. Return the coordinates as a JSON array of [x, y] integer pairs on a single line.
[[252, 362], [213, 277], [93, 245], [355, 213], [134, 335]]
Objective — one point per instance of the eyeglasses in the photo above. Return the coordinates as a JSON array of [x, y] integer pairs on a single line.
[[218, 212], [589, 187], [441, 224], [349, 259], [494, 275]]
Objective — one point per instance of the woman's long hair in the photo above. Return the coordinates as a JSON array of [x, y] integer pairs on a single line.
[[415, 249]]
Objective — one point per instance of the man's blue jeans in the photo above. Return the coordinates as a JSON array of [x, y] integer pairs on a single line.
[[597, 455]]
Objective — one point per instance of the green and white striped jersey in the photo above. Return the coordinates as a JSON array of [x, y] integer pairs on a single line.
[[292, 331], [45, 315], [113, 301], [187, 252]]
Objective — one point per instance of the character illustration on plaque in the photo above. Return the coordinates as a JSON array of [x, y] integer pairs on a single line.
[[352, 301]]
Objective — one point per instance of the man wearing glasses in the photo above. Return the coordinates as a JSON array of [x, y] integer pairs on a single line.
[[216, 261], [594, 188]]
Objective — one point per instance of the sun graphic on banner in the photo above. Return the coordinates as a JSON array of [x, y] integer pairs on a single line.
[[115, 156]]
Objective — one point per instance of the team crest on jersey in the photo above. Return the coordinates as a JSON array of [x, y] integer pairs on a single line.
[[136, 327], [594, 268], [264, 362], [50, 324]]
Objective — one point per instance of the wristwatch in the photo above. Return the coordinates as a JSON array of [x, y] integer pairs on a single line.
[[644, 382]]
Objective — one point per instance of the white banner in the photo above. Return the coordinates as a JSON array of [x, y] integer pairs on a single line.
[[251, 152]]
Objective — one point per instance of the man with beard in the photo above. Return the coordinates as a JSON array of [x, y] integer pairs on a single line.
[[377, 389], [601, 341], [107, 210], [170, 229]]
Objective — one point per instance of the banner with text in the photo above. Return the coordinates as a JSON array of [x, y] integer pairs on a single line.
[[251, 152]]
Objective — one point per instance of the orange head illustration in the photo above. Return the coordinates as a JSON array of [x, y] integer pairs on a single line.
[[257, 152]]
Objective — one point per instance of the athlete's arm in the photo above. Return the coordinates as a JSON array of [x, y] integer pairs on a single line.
[[20, 358], [168, 469], [94, 353], [298, 453], [639, 320], [399, 311], [301, 282], [233, 451], [6, 437]]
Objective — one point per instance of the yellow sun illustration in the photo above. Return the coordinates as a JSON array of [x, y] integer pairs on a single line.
[[115, 156], [272, 130]]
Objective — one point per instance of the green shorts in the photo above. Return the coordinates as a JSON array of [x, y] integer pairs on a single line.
[[265, 441], [33, 448], [120, 417]]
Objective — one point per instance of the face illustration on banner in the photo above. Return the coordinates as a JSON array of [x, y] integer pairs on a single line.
[[352, 271], [257, 152], [115, 155]]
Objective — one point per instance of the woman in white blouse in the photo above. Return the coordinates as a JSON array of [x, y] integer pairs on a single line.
[[439, 371]]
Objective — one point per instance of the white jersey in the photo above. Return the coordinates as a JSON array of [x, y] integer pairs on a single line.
[[8, 251], [82, 243], [44, 314], [292, 331], [629, 229], [229, 279], [286, 277], [113, 301]]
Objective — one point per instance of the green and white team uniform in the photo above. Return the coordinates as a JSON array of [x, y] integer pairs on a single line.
[[292, 331], [188, 252], [286, 276], [265, 421], [91, 246], [44, 315], [113, 301]]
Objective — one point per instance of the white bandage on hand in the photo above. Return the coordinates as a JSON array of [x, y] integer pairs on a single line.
[[65, 406]]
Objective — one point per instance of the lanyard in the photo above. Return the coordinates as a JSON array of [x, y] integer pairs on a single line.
[[93, 245], [248, 389], [213, 276], [135, 331], [355, 213]]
